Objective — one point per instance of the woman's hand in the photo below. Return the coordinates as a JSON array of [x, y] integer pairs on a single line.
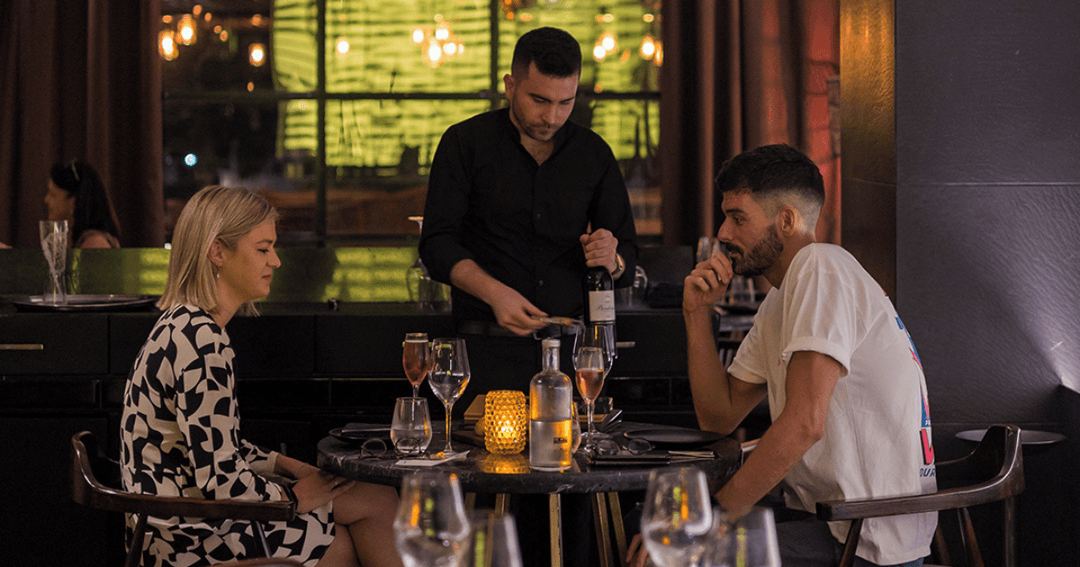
[[637, 555], [292, 468], [315, 490]]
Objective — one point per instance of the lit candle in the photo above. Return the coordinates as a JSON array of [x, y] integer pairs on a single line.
[[506, 422]]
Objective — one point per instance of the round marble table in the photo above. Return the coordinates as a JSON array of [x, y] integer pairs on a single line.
[[483, 472]]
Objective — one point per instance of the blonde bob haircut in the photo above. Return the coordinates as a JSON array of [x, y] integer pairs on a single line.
[[215, 213]]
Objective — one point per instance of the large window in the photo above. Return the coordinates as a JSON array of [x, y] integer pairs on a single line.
[[340, 138]]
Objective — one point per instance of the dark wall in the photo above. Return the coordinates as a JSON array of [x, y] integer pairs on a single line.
[[961, 184]]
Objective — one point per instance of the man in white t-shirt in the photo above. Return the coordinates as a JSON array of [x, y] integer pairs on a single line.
[[845, 387]]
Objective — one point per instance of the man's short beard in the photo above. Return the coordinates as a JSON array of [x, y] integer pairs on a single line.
[[762, 256]]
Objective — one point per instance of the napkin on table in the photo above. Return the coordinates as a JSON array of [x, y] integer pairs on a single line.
[[429, 462]]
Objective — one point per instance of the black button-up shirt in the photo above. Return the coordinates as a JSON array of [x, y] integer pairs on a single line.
[[489, 201]]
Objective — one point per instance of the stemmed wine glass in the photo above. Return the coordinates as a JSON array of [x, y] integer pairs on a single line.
[[589, 367], [678, 516], [603, 338], [416, 359], [750, 541], [492, 541], [599, 336], [431, 527], [448, 377]]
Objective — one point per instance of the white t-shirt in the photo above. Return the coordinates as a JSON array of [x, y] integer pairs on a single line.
[[877, 439]]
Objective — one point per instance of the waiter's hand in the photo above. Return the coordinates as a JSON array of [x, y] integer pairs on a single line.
[[600, 249], [707, 283], [514, 313]]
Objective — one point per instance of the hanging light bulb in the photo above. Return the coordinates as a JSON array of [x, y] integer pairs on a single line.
[[418, 36], [442, 31], [648, 47], [167, 45], [257, 54], [186, 30], [607, 40], [598, 51], [342, 46]]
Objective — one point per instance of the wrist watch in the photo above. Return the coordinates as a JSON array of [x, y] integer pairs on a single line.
[[620, 267]]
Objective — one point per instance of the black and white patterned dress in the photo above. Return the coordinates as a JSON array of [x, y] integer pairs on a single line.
[[180, 437]]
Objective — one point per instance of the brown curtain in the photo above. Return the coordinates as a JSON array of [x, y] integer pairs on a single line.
[[81, 80], [739, 74]]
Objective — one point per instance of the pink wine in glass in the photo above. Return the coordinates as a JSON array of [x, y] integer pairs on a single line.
[[416, 358]]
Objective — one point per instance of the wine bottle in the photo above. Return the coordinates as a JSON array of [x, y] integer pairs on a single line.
[[599, 296]]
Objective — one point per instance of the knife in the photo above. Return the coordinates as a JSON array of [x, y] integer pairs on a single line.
[[610, 420]]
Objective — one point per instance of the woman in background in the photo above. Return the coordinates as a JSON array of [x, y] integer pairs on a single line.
[[77, 195], [180, 426]]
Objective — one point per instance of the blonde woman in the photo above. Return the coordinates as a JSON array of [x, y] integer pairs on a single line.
[[180, 426]]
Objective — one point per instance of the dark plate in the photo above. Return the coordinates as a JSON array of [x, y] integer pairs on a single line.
[[360, 432], [675, 438], [87, 302]]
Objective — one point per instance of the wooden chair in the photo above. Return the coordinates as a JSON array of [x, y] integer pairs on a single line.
[[88, 465], [264, 562], [993, 472]]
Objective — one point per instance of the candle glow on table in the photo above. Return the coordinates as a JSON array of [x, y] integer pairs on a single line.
[[505, 422]]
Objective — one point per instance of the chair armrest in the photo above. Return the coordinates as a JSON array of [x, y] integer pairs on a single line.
[[88, 491], [998, 488], [168, 506]]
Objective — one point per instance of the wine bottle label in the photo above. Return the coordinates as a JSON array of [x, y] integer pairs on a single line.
[[601, 306]]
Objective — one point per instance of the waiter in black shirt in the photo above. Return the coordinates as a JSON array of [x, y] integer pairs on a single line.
[[520, 201]]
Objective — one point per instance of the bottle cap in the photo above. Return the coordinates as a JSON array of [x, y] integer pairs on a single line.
[[550, 343]]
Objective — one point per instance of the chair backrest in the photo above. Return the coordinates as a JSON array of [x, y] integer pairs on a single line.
[[993, 472]]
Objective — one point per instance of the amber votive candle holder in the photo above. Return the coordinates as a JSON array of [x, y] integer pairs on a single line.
[[506, 422]]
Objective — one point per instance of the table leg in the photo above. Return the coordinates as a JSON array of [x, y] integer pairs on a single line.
[[603, 536], [617, 526], [555, 528], [502, 503]]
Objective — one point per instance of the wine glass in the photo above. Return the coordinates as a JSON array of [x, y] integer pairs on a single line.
[[750, 541], [600, 336], [416, 359], [678, 517], [448, 377], [589, 368], [492, 540], [431, 527], [54, 240], [410, 428]]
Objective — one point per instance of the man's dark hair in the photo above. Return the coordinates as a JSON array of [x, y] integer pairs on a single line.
[[771, 170], [555, 52]]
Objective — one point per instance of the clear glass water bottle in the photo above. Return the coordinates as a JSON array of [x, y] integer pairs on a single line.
[[550, 396]]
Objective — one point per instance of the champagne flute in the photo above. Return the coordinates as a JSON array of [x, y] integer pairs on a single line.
[[416, 359], [678, 516], [431, 528], [492, 541], [589, 367], [448, 377], [54, 241]]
